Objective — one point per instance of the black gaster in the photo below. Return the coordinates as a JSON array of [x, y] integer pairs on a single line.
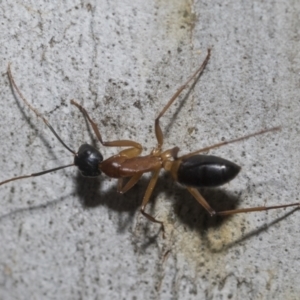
[[87, 160], [206, 171]]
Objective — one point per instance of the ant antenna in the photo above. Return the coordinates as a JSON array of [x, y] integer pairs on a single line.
[[15, 88], [12, 81], [35, 174]]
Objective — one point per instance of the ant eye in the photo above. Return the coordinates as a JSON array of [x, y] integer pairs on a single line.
[[87, 160]]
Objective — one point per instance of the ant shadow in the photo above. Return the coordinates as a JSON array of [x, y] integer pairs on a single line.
[[36, 208], [190, 213], [91, 194]]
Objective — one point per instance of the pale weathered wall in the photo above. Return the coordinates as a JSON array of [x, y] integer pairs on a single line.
[[65, 237]]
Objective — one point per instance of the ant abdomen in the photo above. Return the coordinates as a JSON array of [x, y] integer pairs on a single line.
[[206, 171]]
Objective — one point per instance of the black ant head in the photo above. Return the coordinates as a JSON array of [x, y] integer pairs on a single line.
[[88, 159]]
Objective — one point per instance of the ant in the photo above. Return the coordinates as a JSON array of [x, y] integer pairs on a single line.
[[191, 170]]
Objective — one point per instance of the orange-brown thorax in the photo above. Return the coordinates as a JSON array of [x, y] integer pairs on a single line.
[[119, 166]]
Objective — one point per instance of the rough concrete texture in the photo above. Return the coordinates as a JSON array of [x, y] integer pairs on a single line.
[[66, 237]]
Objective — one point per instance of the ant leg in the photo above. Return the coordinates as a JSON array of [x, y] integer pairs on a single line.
[[230, 142], [212, 212], [119, 185], [131, 152], [252, 209], [120, 143], [146, 198], [131, 182], [14, 85], [201, 200], [158, 131]]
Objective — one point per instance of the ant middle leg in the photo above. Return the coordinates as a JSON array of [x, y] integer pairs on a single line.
[[146, 199], [158, 131]]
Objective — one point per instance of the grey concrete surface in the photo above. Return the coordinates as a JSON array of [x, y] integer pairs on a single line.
[[66, 237]]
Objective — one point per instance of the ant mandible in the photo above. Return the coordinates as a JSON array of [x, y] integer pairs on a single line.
[[191, 170]]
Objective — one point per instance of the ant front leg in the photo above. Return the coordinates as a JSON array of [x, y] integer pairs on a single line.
[[136, 148], [130, 183]]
